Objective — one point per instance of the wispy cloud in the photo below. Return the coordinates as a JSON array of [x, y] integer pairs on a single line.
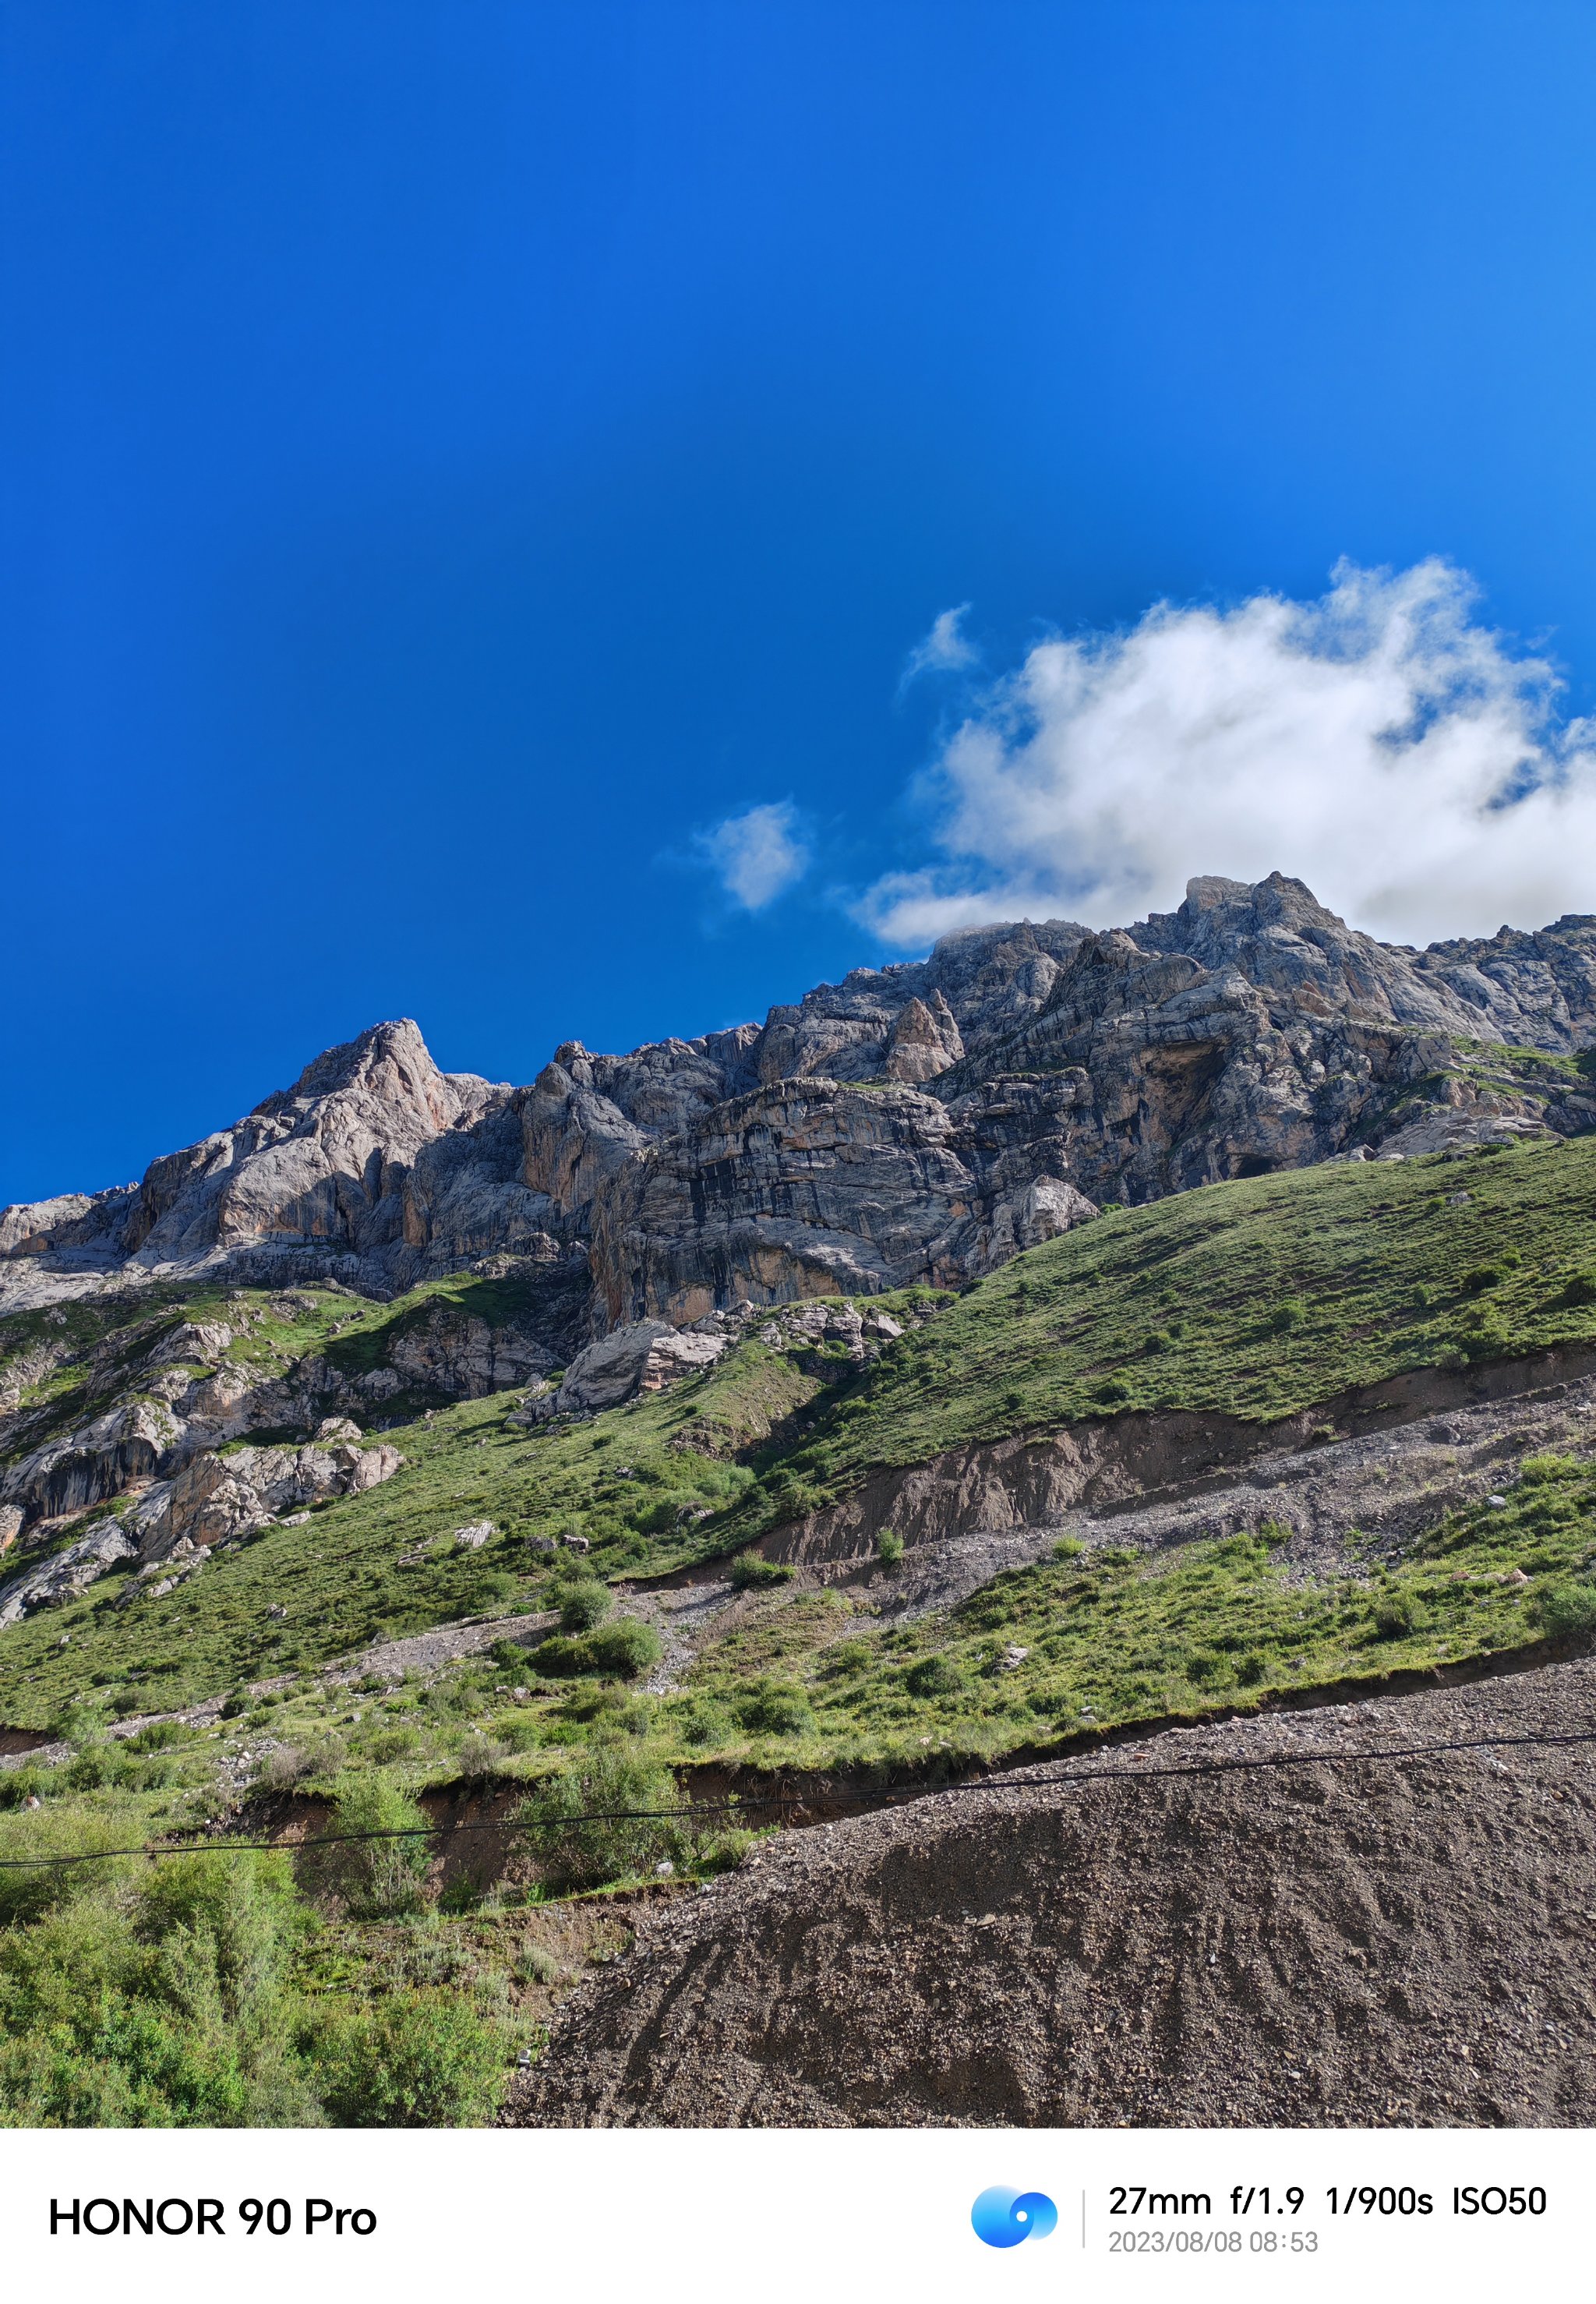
[[1380, 743], [757, 855], [944, 648]]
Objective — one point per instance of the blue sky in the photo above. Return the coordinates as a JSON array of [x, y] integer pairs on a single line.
[[457, 458]]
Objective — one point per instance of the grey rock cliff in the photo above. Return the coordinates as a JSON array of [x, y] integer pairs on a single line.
[[917, 1122]]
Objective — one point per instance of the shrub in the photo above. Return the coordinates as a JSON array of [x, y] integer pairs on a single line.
[[478, 1756], [537, 1964], [18, 1786], [750, 1571], [1479, 1278], [626, 1647], [773, 1709], [583, 1605], [280, 1770], [1580, 1290], [411, 2059], [1567, 1610], [612, 1816], [1112, 1393], [68, 1831], [699, 1724], [165, 2008], [1396, 1614], [1068, 1548], [623, 1648], [510, 1656], [100, 1764], [1535, 1471], [847, 1657], [1287, 1315], [934, 1676], [377, 1876], [889, 1547]]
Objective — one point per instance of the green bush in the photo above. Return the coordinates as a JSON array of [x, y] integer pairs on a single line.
[[700, 1724], [1396, 1614], [889, 1547], [1567, 1610], [626, 1647], [583, 1605], [773, 1709], [166, 2005], [934, 1676], [411, 2059], [612, 1816], [1479, 1278], [377, 1876], [1068, 1548], [1580, 1290], [622, 1649], [69, 1831], [750, 1571]]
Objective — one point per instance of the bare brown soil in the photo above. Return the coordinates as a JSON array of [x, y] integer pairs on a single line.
[[1403, 1941]]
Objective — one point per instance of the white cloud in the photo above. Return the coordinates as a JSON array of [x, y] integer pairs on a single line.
[[944, 648], [1379, 743], [757, 854]]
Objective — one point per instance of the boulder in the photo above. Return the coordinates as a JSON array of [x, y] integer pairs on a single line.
[[639, 1358], [66, 1574]]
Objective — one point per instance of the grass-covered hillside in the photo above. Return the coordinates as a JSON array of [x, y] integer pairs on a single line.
[[396, 1981], [1257, 1299]]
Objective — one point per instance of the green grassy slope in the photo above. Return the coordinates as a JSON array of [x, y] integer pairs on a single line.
[[1254, 1299], [1257, 1299]]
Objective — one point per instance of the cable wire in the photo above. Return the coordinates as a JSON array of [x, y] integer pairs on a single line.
[[908, 1796]]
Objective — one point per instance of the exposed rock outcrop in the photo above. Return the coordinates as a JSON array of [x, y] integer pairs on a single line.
[[642, 1357], [52, 1582], [918, 1122]]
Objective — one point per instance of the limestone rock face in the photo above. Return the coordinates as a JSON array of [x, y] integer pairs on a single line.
[[923, 1040], [65, 1574], [642, 1357], [917, 1122], [218, 1497]]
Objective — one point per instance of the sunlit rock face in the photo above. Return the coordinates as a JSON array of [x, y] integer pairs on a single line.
[[918, 1122]]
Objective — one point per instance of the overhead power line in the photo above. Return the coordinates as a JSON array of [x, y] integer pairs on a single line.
[[1062, 1780]]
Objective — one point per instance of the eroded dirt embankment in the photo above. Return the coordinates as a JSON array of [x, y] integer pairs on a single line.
[[1106, 1463], [1340, 1940]]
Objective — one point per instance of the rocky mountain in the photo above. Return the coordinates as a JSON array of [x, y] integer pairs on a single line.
[[918, 1122]]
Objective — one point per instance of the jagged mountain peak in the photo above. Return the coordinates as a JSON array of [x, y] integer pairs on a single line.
[[914, 1123]]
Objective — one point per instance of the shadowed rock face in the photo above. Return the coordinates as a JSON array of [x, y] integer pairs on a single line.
[[919, 1123]]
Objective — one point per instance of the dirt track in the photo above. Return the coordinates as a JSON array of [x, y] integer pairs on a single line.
[[1408, 1941]]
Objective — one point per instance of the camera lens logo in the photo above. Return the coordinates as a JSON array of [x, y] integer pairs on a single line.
[[1003, 2217]]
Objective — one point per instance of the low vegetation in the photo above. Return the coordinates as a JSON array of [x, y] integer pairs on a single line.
[[384, 1978]]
